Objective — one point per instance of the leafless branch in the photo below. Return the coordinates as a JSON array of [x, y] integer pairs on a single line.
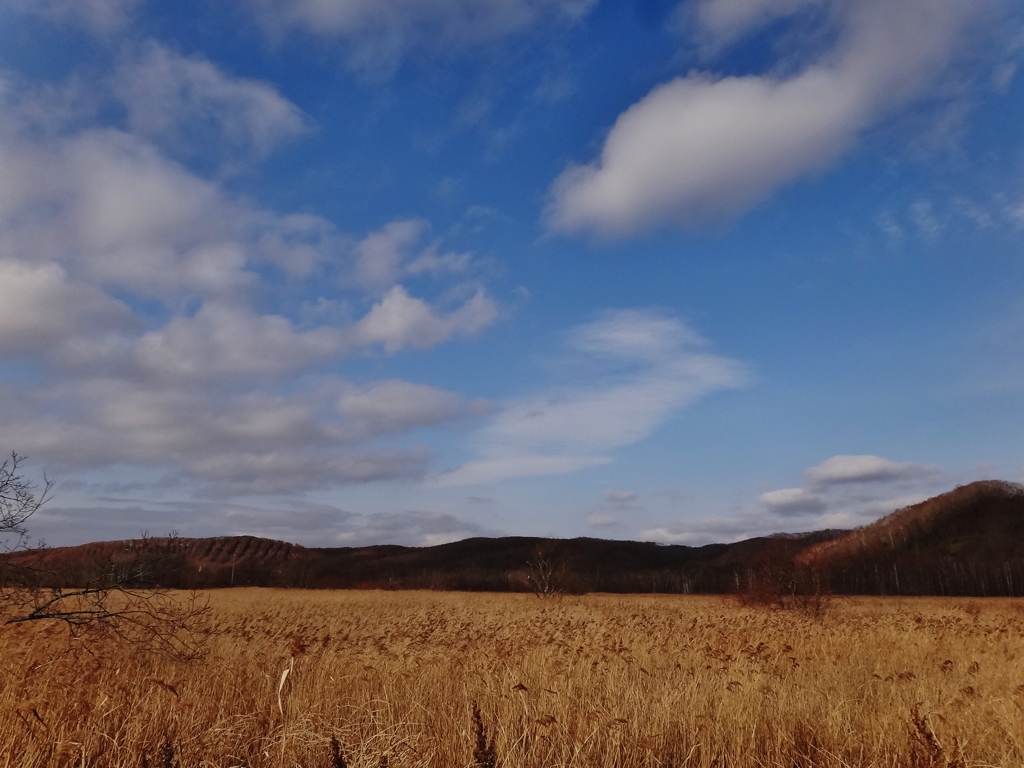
[[545, 574], [19, 501], [121, 595]]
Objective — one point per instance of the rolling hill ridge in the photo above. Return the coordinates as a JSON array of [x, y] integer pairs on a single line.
[[969, 541]]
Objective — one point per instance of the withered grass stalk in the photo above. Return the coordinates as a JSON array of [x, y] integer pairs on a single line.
[[446, 680]]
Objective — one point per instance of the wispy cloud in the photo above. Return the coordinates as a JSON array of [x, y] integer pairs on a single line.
[[653, 365], [378, 34], [620, 498], [487, 471], [185, 102], [100, 17]]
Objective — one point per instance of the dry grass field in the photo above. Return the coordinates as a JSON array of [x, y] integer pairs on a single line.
[[614, 681]]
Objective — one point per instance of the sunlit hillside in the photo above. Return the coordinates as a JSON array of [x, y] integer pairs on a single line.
[[967, 541]]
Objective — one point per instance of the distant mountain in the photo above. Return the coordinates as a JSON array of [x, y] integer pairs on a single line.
[[967, 541]]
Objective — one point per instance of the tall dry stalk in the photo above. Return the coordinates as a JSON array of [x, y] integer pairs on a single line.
[[638, 681]]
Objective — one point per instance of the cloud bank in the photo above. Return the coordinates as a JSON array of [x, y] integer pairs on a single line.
[[140, 298]]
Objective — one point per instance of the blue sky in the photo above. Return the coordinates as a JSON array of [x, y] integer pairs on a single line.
[[345, 272]]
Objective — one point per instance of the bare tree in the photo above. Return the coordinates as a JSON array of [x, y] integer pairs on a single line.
[[18, 502], [120, 594], [545, 573]]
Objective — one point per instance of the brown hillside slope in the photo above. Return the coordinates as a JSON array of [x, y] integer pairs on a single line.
[[170, 562], [220, 550], [967, 541]]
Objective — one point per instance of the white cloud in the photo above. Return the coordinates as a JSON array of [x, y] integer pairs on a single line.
[[223, 340], [99, 212], [113, 207], [790, 501], [225, 443], [378, 33], [379, 256], [399, 320], [395, 251], [125, 197], [184, 101], [601, 520], [41, 307], [110, 206], [977, 215], [297, 243], [863, 469], [700, 147], [195, 402], [392, 406]]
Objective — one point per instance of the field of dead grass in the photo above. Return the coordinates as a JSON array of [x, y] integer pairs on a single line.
[[599, 680]]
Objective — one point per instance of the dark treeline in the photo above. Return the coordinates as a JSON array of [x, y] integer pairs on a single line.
[[939, 577]]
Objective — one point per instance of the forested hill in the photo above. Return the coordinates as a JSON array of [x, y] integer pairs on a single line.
[[477, 564], [968, 541]]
